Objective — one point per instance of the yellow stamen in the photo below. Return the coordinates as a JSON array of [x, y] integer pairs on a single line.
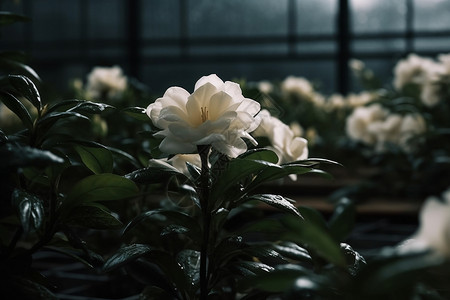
[[204, 114]]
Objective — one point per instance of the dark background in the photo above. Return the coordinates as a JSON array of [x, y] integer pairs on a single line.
[[174, 42]]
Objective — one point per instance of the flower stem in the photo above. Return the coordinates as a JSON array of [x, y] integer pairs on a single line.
[[206, 219]]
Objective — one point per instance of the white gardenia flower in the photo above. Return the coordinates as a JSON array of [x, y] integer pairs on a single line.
[[414, 70], [284, 143], [434, 229], [297, 86], [216, 114], [106, 82], [358, 122], [265, 87]]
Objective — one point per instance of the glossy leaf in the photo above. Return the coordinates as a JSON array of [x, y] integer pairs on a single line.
[[7, 63], [93, 216], [250, 268], [13, 156], [63, 105], [125, 255], [292, 251], [30, 209], [90, 107], [17, 107], [172, 217], [27, 89], [313, 237], [276, 201], [125, 155], [137, 113], [98, 159], [237, 170], [261, 154], [101, 187], [157, 172], [50, 119], [277, 280]]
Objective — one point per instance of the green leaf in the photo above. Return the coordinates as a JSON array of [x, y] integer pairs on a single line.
[[137, 113], [98, 159], [30, 210], [93, 216], [343, 219], [90, 107], [293, 251], [276, 201], [100, 187], [6, 63], [47, 121], [17, 107], [124, 155], [7, 18], [261, 154], [157, 172], [126, 254], [279, 279], [171, 217], [65, 105], [249, 268], [313, 237], [14, 156], [27, 89], [236, 170]]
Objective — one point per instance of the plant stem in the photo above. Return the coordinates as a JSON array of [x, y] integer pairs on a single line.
[[206, 218]]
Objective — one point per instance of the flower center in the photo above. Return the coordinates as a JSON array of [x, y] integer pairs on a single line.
[[204, 114]]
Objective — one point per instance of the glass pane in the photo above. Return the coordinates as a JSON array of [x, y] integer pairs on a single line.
[[431, 14], [160, 18], [433, 44], [378, 45], [56, 20], [378, 16], [107, 19], [237, 18], [316, 16]]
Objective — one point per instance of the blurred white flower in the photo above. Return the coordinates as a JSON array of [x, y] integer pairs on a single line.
[[355, 100], [414, 70], [297, 86], [296, 128], [265, 86], [356, 65], [216, 114], [105, 83], [434, 227], [377, 127], [284, 143], [358, 122]]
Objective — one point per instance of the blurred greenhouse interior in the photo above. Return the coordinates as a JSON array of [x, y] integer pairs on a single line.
[[173, 42], [225, 149]]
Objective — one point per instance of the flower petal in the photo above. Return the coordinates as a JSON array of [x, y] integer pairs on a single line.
[[211, 79]]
